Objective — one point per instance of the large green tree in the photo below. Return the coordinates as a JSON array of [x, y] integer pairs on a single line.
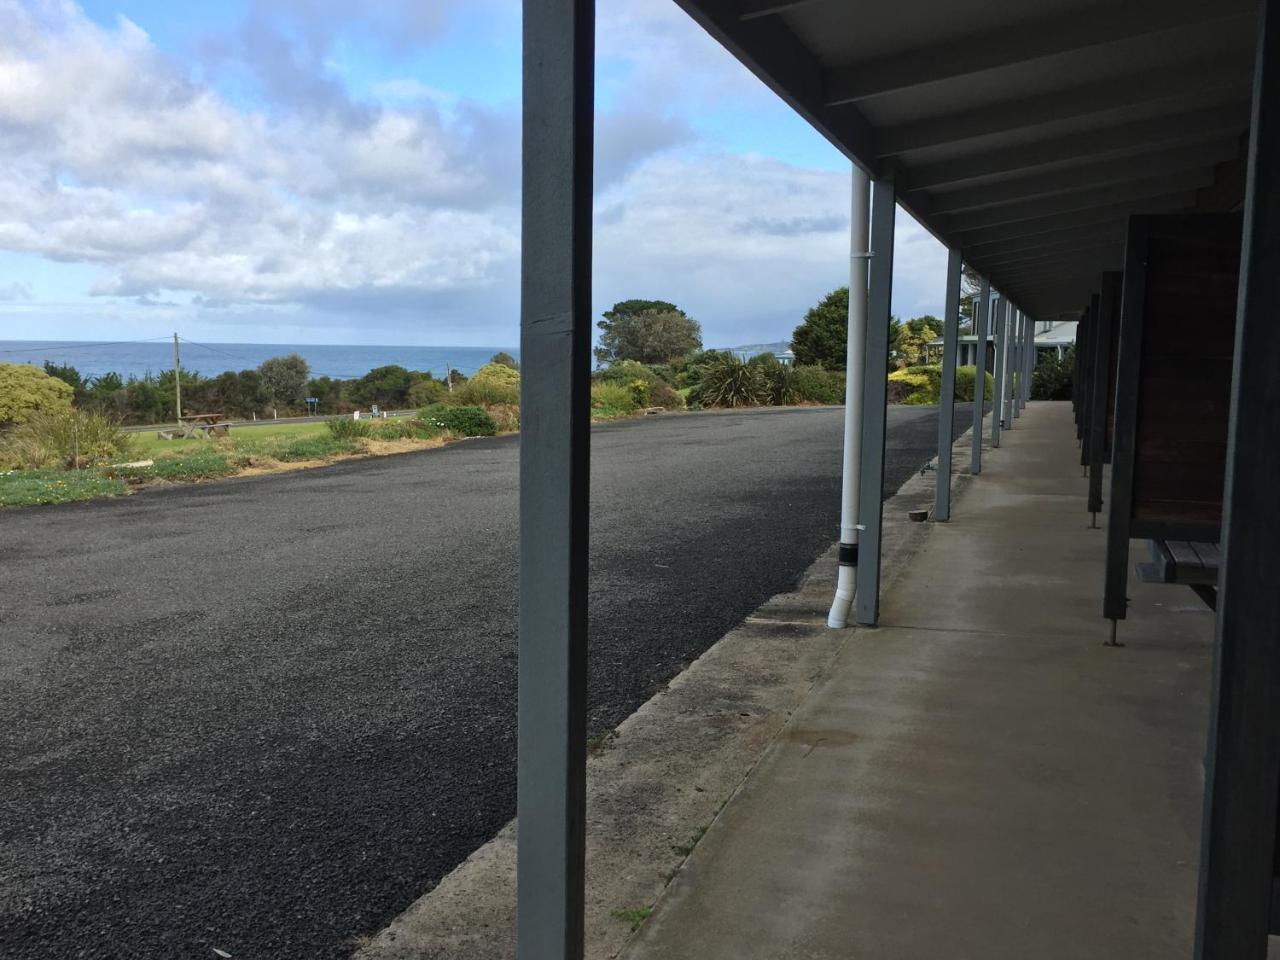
[[284, 377], [822, 337], [650, 331], [26, 391]]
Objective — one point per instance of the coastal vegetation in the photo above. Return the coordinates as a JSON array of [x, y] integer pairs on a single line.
[[68, 437]]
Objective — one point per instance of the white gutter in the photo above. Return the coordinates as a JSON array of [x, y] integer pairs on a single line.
[[855, 352]]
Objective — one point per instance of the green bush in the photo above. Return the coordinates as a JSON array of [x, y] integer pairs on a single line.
[[425, 392], [346, 428], [728, 382], [813, 384], [611, 399], [26, 390], [625, 371], [65, 440], [463, 421], [965, 377], [908, 387], [662, 394], [1051, 379]]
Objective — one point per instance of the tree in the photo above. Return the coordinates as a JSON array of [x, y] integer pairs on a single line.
[[505, 359], [283, 378], [650, 331], [26, 390], [386, 386], [822, 338]]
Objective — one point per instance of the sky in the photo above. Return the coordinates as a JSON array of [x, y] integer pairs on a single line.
[[321, 171]]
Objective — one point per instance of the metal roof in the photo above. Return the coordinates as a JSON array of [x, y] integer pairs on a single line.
[[1023, 134]]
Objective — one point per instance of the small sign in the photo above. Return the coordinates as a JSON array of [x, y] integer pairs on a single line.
[[313, 399]]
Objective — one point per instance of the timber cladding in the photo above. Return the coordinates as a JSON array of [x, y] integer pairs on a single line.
[[1184, 383]]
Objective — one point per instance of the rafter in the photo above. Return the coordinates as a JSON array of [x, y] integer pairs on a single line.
[[1115, 215], [1229, 74], [1088, 176], [753, 9], [1079, 200], [1028, 40], [1135, 137]]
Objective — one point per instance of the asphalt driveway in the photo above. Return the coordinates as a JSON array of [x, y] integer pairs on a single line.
[[265, 715]]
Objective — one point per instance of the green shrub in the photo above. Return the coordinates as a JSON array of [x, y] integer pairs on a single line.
[[813, 384], [625, 371], [423, 393], [640, 392], [1051, 379], [611, 399], [463, 421], [662, 394], [728, 382], [485, 393], [26, 390], [911, 388], [346, 428], [66, 440], [965, 377]]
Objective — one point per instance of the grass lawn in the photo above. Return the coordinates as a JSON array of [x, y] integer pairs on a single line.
[[27, 487], [147, 444]]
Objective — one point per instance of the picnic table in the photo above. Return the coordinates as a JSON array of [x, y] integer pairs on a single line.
[[202, 424]]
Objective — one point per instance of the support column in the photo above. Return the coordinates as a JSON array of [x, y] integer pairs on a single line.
[[947, 403], [999, 319], [1018, 347], [981, 320], [555, 393], [1237, 862], [1032, 357], [874, 397]]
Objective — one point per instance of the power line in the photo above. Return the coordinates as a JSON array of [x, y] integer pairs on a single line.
[[58, 345]]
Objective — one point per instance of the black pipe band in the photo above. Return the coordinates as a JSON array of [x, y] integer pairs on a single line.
[[848, 554]]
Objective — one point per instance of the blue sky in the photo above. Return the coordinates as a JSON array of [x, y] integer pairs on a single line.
[[326, 172]]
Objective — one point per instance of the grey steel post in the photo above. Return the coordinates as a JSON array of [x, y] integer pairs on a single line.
[[946, 406], [998, 317], [1015, 364], [980, 323], [874, 398], [1010, 362], [1029, 362], [555, 394], [1237, 907]]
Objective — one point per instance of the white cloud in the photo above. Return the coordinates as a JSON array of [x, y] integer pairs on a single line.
[[304, 198], [15, 291]]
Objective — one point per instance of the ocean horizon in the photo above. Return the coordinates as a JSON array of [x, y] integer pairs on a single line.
[[340, 361]]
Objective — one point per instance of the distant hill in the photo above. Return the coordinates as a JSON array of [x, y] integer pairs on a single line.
[[751, 349]]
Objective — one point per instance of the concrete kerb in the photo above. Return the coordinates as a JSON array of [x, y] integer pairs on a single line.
[[657, 782]]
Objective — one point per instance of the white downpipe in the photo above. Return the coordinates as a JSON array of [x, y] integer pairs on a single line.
[[855, 352]]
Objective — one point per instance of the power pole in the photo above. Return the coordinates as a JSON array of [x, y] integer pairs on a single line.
[[177, 378], [448, 375]]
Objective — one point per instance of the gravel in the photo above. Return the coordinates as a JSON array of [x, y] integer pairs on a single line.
[[260, 717]]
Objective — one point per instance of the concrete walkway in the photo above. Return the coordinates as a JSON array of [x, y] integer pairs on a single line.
[[979, 777]]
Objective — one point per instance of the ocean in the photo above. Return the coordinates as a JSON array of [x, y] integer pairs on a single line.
[[340, 361]]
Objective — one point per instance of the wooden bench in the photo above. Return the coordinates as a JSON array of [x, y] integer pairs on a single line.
[[1187, 562]]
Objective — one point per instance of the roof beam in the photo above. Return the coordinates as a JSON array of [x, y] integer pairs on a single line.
[[1089, 176], [1229, 74], [1094, 233], [1116, 214], [752, 9], [1075, 266], [1029, 40], [1128, 139], [1036, 256], [1079, 200]]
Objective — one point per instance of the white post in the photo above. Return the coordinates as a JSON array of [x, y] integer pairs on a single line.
[[855, 350]]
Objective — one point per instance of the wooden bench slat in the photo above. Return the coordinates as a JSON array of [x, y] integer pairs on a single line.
[[1209, 553], [1184, 555]]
